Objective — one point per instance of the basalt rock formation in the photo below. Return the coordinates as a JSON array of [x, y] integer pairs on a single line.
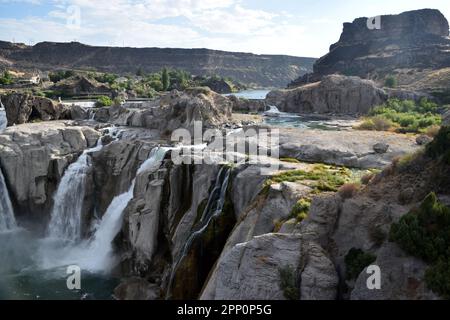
[[34, 157], [22, 108], [260, 70], [334, 94], [173, 111], [413, 40]]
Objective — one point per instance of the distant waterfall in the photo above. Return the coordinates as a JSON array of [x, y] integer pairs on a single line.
[[65, 220], [7, 220], [212, 210]]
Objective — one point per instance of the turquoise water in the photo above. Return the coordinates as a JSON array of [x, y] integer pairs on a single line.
[[28, 271]]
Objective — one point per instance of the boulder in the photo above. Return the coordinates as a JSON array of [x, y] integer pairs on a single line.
[[381, 147], [334, 94], [423, 140]]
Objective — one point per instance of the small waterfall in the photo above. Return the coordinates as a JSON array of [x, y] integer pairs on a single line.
[[65, 220], [212, 210], [7, 220]]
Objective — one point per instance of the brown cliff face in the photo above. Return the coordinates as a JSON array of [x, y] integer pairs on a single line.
[[260, 70], [414, 39]]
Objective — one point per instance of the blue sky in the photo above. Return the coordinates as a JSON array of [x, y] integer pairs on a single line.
[[295, 27]]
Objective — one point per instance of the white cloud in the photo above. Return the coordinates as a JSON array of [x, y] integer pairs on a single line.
[[223, 25]]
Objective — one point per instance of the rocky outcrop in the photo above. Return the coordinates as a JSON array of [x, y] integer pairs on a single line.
[[247, 105], [80, 85], [334, 94], [22, 108], [175, 110], [33, 158], [218, 85], [349, 148], [413, 39], [260, 70], [446, 119]]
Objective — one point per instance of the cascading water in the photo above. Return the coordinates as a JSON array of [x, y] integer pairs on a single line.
[[65, 220], [7, 220], [212, 210]]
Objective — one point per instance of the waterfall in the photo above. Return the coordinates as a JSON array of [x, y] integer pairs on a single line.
[[212, 210], [65, 220], [7, 220]]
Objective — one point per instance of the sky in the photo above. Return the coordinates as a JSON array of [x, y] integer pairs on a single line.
[[295, 27]]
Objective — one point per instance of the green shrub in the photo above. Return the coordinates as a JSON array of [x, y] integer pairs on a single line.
[[425, 233], [390, 82], [103, 101], [6, 79], [440, 146], [355, 261], [301, 209], [165, 79], [404, 116], [376, 123], [288, 283], [60, 75]]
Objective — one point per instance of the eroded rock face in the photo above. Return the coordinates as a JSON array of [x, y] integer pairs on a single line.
[[413, 39], [176, 110], [33, 158], [250, 270], [403, 278], [246, 105], [334, 94], [446, 119], [22, 108]]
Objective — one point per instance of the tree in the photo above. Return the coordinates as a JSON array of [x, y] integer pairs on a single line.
[[390, 82], [165, 79], [6, 78]]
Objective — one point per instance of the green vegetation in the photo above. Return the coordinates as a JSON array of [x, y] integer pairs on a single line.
[[103, 101], [440, 146], [301, 209], [403, 116], [60, 75], [165, 79], [6, 78], [105, 78], [289, 160], [355, 261], [288, 283], [321, 177], [390, 82], [425, 233]]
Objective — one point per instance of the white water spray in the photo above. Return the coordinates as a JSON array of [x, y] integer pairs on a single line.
[[7, 220]]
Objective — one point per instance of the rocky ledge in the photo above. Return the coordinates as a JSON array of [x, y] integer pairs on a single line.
[[33, 158]]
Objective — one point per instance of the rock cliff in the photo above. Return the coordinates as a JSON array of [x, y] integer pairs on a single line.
[[260, 70]]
